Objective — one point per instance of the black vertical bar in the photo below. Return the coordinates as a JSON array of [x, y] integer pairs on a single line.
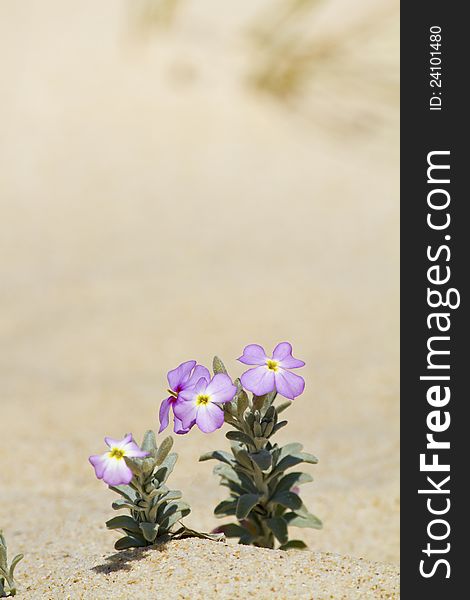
[[433, 118]]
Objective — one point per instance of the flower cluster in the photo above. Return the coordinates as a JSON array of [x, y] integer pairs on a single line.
[[264, 498], [198, 399]]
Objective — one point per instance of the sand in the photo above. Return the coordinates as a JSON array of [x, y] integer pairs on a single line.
[[154, 209], [199, 569]]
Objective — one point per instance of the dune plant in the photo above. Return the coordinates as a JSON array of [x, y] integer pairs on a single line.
[[263, 497], [7, 579], [139, 476]]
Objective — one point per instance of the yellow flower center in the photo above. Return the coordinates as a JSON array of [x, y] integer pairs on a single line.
[[117, 453], [202, 399], [272, 365]]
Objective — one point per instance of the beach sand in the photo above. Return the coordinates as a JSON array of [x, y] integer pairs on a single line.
[[155, 208]]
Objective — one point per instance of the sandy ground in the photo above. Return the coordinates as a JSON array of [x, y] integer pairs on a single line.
[[155, 209]]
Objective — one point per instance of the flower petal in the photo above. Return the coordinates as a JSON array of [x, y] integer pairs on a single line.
[[198, 373], [259, 380], [133, 450], [283, 354], [164, 414], [289, 384], [209, 417], [181, 374], [117, 472], [253, 354], [221, 388], [186, 411], [99, 462], [179, 428], [112, 443], [189, 394]]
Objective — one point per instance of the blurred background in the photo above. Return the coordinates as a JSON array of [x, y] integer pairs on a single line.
[[180, 178]]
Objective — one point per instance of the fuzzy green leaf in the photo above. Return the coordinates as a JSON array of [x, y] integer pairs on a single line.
[[120, 504], [225, 508], [293, 448], [242, 456], [130, 542], [242, 402], [164, 450], [125, 491], [239, 436], [309, 458], [262, 458], [309, 520], [297, 544], [218, 366], [292, 479], [294, 459], [236, 477], [279, 527], [149, 531], [245, 504], [123, 522], [217, 455], [231, 530], [278, 426], [166, 467], [287, 499], [149, 443], [283, 406]]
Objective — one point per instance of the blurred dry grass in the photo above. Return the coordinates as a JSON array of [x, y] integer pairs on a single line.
[[155, 208]]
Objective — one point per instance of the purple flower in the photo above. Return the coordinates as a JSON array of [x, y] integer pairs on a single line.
[[272, 373], [200, 404], [182, 378], [111, 466]]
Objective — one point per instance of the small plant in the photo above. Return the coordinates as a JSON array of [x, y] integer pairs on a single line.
[[264, 498], [7, 580], [139, 476]]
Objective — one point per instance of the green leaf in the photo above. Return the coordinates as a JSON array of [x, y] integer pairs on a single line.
[[294, 459], [123, 522], [239, 436], [218, 455], [287, 499], [166, 468], [14, 562], [309, 520], [149, 531], [125, 491], [242, 402], [135, 465], [282, 407], [164, 450], [120, 504], [279, 527], [262, 458], [231, 530], [130, 542], [149, 443], [218, 366], [242, 456], [309, 458], [278, 426], [294, 448], [297, 544], [292, 479], [226, 507], [245, 504], [236, 477]]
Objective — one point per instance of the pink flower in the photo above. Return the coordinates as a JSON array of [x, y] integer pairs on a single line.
[[272, 373], [111, 466], [184, 377], [200, 404]]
